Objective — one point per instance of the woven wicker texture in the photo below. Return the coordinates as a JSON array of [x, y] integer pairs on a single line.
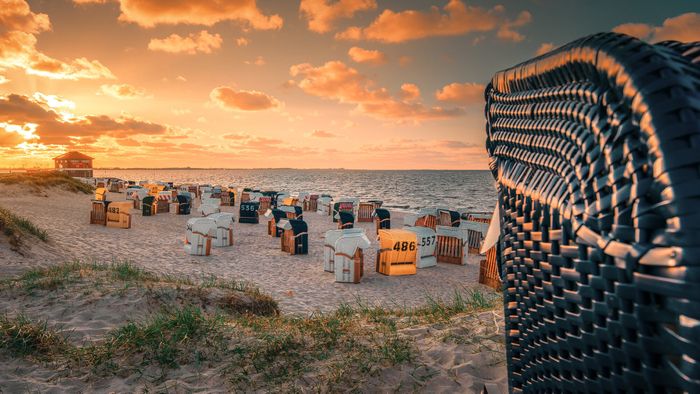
[[596, 151]]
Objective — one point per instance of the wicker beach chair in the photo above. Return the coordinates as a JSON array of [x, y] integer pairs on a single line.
[[119, 214], [364, 212], [594, 147], [148, 206], [346, 220], [223, 234], [330, 238], [248, 213], [448, 218], [397, 252], [295, 239], [348, 260], [382, 219], [200, 232], [275, 215]]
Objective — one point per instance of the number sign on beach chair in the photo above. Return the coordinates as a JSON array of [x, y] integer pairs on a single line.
[[426, 240], [248, 213], [201, 231], [295, 239], [148, 206], [119, 214], [348, 260], [346, 220], [451, 245], [448, 218], [397, 252], [364, 212], [275, 215], [223, 235], [330, 238], [382, 219]]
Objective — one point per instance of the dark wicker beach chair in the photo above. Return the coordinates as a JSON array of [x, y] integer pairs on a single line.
[[595, 149], [345, 220], [248, 212]]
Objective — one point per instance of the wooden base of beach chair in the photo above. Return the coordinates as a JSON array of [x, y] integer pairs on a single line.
[[488, 270], [449, 250], [98, 214]]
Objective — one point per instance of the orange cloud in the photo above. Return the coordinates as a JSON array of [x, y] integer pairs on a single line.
[[259, 61], [336, 81], [458, 19], [16, 15], [410, 91], [322, 134], [245, 100], [322, 14], [360, 55], [51, 121], [149, 13], [194, 43], [544, 48], [684, 28], [123, 91], [242, 41], [461, 93], [18, 47]]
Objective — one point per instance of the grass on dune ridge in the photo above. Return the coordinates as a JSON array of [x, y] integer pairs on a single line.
[[41, 180], [17, 228], [335, 351]]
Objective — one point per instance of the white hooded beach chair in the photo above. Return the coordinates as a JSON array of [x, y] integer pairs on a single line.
[[302, 196], [426, 240], [224, 229], [201, 231], [349, 257], [324, 205], [330, 239], [451, 244], [209, 206]]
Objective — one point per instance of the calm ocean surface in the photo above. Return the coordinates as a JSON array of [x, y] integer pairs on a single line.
[[409, 190]]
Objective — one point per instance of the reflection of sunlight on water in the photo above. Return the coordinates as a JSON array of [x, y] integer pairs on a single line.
[[398, 189]]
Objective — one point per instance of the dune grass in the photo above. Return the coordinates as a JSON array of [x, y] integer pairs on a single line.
[[253, 346], [42, 180], [17, 229]]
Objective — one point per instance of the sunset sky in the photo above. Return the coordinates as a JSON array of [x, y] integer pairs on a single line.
[[272, 83]]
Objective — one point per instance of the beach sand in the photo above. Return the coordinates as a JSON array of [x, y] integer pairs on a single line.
[[156, 244], [461, 355]]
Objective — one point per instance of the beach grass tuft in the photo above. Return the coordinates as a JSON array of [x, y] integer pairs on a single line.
[[42, 180], [20, 336], [17, 228]]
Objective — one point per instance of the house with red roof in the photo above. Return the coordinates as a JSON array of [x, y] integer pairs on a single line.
[[75, 164]]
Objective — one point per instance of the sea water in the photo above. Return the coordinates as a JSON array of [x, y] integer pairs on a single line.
[[403, 190]]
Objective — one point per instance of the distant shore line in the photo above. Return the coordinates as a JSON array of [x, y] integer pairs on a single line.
[[235, 169]]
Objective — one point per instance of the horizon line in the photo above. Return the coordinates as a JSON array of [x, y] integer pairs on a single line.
[[253, 168]]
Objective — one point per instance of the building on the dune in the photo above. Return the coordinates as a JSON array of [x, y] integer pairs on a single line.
[[74, 164]]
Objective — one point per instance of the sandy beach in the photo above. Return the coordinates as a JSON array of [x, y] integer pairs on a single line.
[[462, 352], [156, 243]]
